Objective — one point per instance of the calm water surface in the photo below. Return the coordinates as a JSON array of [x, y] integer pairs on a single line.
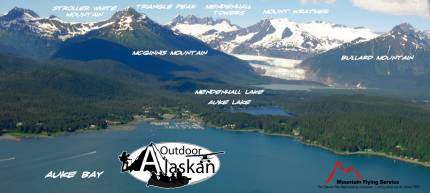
[[253, 163], [261, 111]]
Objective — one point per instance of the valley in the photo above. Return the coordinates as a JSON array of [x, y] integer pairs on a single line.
[[275, 67]]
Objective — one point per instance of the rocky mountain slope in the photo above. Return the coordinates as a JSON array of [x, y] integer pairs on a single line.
[[270, 37], [398, 58]]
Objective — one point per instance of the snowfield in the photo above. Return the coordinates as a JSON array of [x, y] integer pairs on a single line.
[[199, 29], [270, 37]]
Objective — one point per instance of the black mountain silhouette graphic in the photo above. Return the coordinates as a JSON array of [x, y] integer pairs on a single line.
[[161, 179], [137, 164]]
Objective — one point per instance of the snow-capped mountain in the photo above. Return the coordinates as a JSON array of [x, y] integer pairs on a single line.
[[27, 21], [23, 31], [25, 34], [410, 70], [270, 37], [206, 29], [408, 38], [125, 20], [135, 30], [195, 26]]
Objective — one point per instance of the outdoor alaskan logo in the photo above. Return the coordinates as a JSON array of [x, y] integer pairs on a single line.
[[171, 165]]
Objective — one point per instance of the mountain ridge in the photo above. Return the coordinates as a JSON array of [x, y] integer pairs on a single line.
[[403, 40], [270, 37], [24, 33]]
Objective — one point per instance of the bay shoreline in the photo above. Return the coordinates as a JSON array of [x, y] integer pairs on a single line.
[[367, 153], [139, 120]]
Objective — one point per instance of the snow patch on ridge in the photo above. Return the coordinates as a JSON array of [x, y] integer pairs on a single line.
[[199, 29], [271, 37]]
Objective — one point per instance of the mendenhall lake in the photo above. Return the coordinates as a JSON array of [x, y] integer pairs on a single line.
[[252, 163]]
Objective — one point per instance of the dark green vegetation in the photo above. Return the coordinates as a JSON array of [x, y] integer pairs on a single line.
[[113, 40], [344, 123], [93, 81], [359, 123], [165, 67], [101, 81], [51, 96], [60, 95]]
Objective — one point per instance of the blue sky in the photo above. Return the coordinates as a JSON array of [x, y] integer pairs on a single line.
[[375, 14]]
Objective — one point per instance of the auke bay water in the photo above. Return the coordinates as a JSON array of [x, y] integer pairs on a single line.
[[265, 163]]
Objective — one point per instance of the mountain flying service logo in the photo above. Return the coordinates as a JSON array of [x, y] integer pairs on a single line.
[[170, 165], [338, 165], [349, 177]]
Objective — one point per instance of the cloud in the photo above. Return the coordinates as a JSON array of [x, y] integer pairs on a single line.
[[396, 7], [317, 1]]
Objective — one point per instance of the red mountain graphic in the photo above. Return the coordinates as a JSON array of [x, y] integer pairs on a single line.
[[339, 165]]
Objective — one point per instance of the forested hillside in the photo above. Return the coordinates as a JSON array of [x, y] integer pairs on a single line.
[[346, 123]]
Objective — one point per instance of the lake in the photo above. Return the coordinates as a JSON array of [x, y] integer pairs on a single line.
[[307, 87], [260, 110], [253, 163]]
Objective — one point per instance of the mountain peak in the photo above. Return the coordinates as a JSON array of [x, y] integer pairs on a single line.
[[19, 13], [127, 12], [405, 28], [267, 19], [53, 17], [131, 11], [192, 19], [177, 17], [266, 22]]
